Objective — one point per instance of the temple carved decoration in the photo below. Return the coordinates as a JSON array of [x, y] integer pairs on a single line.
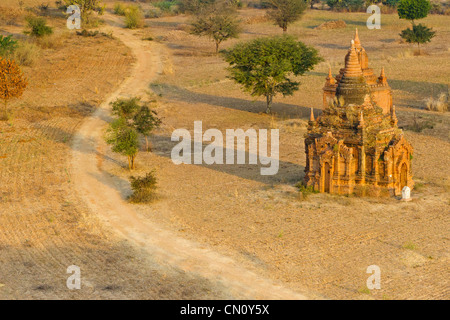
[[356, 141]]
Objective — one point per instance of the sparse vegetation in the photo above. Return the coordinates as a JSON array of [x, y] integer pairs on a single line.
[[419, 126], [195, 6], [12, 83], [143, 188], [87, 7], [364, 290], [409, 246], [370, 191], [26, 53], [134, 17], [119, 9], [7, 46], [10, 16], [35, 153], [440, 104], [304, 190], [38, 26]]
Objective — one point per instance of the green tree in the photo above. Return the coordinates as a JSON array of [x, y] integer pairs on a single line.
[[125, 108], [219, 23], [124, 140], [138, 115], [285, 12], [145, 121], [418, 34], [413, 9], [264, 66]]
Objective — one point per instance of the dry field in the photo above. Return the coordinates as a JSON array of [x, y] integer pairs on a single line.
[[322, 244], [44, 226]]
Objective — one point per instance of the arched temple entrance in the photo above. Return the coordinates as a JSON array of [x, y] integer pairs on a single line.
[[403, 176], [327, 177]]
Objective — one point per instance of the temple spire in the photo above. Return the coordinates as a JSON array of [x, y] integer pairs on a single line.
[[394, 119], [361, 120], [352, 65], [311, 117], [382, 78], [357, 41], [330, 79]]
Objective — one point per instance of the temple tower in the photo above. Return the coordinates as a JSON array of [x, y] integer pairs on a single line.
[[355, 142]]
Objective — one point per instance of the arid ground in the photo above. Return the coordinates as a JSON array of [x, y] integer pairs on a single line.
[[218, 231]]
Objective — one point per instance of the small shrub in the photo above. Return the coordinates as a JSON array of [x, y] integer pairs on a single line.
[[164, 5], [119, 9], [134, 17], [417, 126], [43, 7], [153, 13], [7, 46], [86, 33], [409, 246], [440, 104], [419, 186], [60, 5], [304, 190], [38, 26], [143, 188]]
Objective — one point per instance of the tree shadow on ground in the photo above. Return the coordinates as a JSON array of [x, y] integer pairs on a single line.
[[288, 172], [172, 92]]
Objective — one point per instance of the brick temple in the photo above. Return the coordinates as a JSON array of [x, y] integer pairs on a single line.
[[355, 141]]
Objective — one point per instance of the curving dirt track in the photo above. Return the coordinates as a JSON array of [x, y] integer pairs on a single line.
[[99, 191]]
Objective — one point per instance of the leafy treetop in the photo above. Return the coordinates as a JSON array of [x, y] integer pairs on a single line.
[[413, 9], [264, 66]]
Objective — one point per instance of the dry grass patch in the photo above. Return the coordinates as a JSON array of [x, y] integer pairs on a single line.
[[440, 104]]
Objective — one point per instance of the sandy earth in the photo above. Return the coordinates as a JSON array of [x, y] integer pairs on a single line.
[[216, 231], [101, 194]]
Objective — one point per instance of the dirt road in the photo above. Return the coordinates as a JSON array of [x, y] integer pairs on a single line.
[[101, 194]]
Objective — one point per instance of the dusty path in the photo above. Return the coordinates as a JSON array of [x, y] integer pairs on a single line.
[[100, 193]]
